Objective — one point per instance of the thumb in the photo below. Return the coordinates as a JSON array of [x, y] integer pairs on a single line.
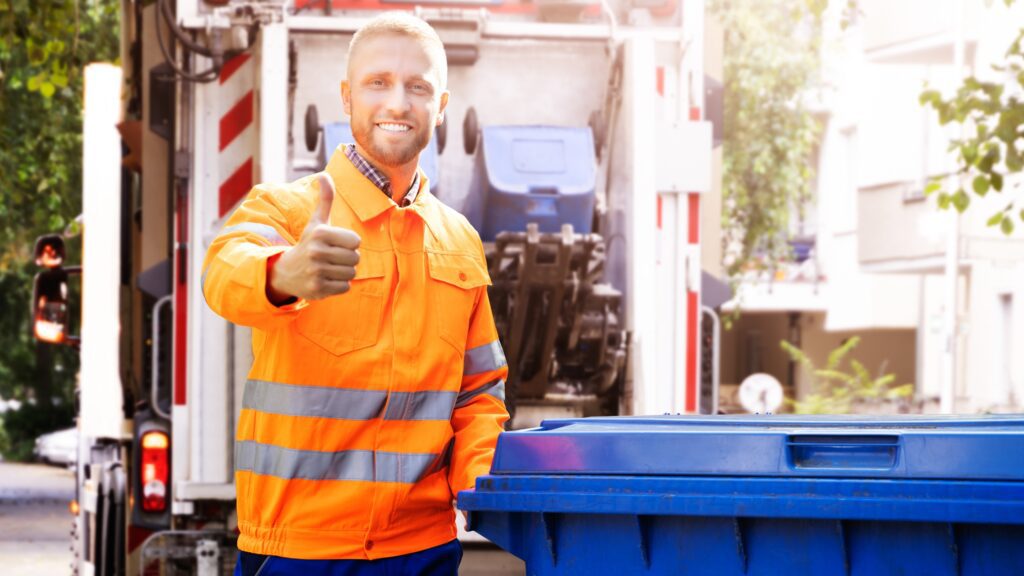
[[322, 213]]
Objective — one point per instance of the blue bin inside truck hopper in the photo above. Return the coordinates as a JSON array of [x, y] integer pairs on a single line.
[[540, 174], [338, 133], [767, 495]]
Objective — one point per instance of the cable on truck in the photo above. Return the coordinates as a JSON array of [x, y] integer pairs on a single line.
[[215, 53]]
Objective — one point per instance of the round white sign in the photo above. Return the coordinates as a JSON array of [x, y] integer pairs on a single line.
[[760, 393]]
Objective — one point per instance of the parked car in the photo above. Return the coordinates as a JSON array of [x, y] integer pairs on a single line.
[[60, 447]]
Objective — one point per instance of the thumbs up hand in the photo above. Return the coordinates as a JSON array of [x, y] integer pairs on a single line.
[[323, 261]]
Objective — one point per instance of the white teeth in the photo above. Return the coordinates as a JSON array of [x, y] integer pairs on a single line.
[[393, 127]]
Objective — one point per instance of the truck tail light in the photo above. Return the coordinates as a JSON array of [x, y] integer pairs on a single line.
[[154, 471]]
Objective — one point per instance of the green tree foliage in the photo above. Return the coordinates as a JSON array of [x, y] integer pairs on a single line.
[[44, 47], [771, 65], [838, 389], [992, 114]]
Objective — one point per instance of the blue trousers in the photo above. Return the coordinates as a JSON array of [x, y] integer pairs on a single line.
[[440, 560]]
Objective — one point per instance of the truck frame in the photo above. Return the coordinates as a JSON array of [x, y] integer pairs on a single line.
[[209, 95]]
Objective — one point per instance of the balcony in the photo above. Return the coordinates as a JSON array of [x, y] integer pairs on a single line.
[[900, 231], [917, 31]]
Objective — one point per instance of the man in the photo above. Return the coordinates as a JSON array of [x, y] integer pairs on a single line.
[[377, 389]]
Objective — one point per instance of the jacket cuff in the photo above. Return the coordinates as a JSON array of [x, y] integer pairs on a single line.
[[272, 254]]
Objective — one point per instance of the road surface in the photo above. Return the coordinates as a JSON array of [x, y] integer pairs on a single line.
[[35, 527], [35, 524]]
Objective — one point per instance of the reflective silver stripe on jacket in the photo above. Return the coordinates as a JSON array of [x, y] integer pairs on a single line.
[[420, 406], [291, 464], [313, 401], [267, 232], [484, 359], [495, 388], [346, 403]]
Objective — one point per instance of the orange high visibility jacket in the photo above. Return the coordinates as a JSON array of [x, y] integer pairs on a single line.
[[364, 413]]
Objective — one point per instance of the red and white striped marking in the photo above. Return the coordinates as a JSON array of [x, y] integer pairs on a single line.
[[693, 296], [692, 309], [237, 141], [690, 353], [238, 138]]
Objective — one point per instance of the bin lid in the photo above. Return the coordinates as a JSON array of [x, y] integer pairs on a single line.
[[338, 133], [540, 159], [919, 447]]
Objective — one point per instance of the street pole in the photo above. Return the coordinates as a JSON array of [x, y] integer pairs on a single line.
[[947, 403]]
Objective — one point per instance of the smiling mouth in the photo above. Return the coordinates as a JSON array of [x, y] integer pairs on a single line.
[[393, 127]]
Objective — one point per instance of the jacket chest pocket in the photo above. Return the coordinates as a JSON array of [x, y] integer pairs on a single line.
[[350, 321], [454, 280]]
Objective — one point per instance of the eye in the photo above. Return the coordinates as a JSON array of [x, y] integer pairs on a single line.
[[376, 83], [420, 88]]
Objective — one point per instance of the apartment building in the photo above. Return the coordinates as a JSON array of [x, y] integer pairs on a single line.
[[875, 258]]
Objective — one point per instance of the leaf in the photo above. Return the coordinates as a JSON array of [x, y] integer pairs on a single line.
[[903, 391], [796, 354], [1007, 226], [969, 152], [995, 219], [34, 82], [929, 97], [990, 158], [36, 54], [980, 185], [944, 200], [997, 181], [832, 375], [884, 381], [837, 355], [961, 200], [47, 89], [54, 47], [1014, 163], [932, 187], [860, 371]]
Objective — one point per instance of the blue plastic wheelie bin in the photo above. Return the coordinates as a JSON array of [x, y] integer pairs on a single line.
[[759, 495], [545, 175]]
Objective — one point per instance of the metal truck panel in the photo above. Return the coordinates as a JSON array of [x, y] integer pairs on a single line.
[[101, 415]]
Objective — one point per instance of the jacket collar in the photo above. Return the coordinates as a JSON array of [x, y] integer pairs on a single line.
[[367, 200]]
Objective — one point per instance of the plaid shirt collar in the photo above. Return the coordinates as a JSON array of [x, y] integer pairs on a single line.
[[380, 180]]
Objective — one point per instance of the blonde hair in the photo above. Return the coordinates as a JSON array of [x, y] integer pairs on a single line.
[[405, 24]]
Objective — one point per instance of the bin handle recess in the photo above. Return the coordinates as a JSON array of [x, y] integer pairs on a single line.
[[843, 452]]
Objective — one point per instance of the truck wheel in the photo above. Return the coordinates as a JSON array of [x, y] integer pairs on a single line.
[[470, 131], [441, 133], [312, 127], [599, 128]]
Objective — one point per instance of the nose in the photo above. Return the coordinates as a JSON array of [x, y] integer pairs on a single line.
[[397, 102]]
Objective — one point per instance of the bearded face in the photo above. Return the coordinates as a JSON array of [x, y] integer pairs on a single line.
[[393, 98]]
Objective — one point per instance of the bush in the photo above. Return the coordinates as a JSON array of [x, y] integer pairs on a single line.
[[5, 442], [21, 427], [839, 390]]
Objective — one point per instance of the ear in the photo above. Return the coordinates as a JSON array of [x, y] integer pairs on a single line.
[[443, 105], [346, 97]]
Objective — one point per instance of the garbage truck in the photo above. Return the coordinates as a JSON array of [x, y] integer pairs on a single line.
[[577, 142]]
